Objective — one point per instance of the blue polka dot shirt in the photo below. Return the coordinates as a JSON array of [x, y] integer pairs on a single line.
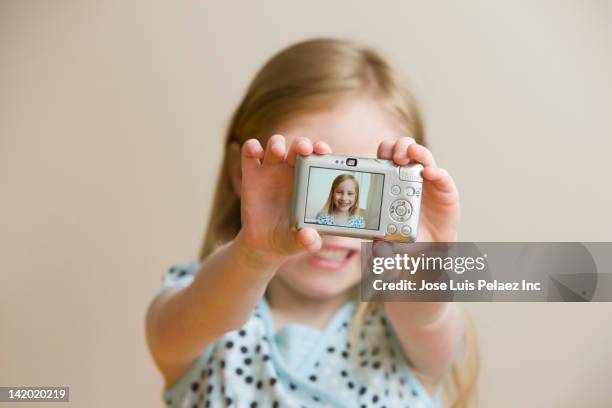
[[299, 366], [355, 221]]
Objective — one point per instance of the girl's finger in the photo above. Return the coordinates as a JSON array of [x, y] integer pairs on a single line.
[[301, 146], [421, 154], [275, 150], [321, 147], [251, 153], [400, 150], [440, 178], [385, 149], [309, 239]]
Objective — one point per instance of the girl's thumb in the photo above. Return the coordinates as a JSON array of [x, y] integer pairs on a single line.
[[309, 239]]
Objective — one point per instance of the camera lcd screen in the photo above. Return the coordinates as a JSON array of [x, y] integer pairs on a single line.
[[342, 198]]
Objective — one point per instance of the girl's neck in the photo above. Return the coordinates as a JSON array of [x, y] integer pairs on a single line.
[[341, 214], [289, 307]]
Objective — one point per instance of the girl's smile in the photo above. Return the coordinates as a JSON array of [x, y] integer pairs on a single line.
[[332, 258], [344, 203]]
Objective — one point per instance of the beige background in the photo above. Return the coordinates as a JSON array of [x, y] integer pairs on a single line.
[[111, 117]]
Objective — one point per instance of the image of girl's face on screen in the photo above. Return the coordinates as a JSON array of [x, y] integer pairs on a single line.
[[345, 195]]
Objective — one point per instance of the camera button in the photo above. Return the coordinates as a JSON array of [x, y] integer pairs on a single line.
[[409, 191], [406, 230], [400, 210], [391, 229], [395, 190]]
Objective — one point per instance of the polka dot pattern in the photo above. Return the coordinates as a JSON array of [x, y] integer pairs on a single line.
[[297, 366]]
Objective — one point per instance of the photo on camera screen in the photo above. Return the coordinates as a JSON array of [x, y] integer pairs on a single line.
[[344, 198]]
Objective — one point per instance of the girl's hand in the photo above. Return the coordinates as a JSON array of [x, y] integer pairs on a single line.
[[440, 200], [266, 188]]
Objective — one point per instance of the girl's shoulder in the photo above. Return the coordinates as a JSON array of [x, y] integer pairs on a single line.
[[226, 368], [180, 275]]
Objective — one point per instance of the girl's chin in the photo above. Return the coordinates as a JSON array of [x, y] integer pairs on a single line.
[[322, 289]]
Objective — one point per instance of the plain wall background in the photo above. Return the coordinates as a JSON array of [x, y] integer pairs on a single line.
[[111, 121]]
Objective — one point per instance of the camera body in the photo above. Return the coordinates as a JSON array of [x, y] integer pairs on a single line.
[[357, 197]]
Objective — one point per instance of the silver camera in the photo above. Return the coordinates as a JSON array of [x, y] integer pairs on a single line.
[[357, 197]]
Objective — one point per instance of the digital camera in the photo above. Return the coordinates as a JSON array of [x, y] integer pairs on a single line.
[[357, 197]]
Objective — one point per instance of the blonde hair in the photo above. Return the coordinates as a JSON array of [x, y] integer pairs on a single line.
[[311, 76], [330, 205]]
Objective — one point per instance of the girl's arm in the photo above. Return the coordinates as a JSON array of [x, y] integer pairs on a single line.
[[182, 322], [429, 332]]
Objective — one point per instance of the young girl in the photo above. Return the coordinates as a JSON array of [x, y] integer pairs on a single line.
[[342, 204], [270, 317]]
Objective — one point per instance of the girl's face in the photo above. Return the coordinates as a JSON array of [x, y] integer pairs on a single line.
[[344, 195], [353, 128]]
